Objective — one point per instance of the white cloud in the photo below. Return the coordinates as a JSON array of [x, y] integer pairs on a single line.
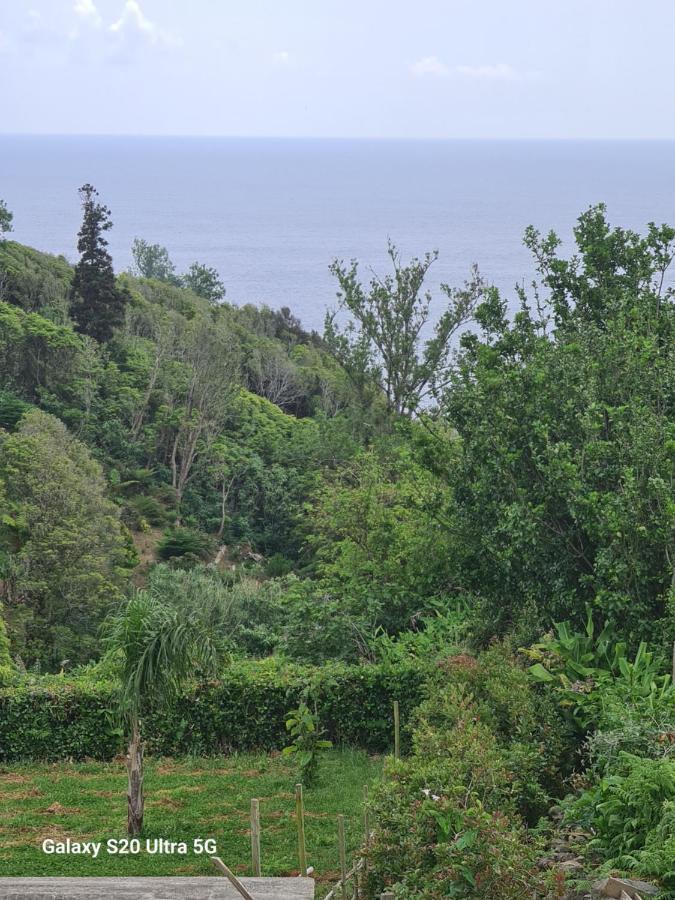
[[86, 10], [498, 72], [134, 23], [429, 66], [282, 58]]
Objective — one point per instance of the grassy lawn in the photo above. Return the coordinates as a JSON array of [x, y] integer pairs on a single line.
[[185, 799]]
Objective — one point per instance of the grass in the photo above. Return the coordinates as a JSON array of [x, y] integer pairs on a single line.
[[185, 799]]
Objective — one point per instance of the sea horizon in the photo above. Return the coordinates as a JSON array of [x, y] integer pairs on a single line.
[[271, 213]]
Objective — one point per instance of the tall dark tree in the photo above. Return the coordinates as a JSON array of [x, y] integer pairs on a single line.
[[98, 306], [5, 218]]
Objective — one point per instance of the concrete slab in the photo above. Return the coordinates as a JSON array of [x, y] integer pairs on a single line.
[[206, 888]]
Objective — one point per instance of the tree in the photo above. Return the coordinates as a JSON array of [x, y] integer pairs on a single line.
[[204, 281], [153, 261], [208, 384], [63, 555], [564, 486], [5, 218], [385, 343], [161, 647], [98, 304]]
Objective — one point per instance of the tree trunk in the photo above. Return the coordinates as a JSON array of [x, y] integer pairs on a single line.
[[135, 773]]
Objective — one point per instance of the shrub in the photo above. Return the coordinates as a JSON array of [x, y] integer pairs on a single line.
[[146, 509], [630, 811], [435, 838], [180, 542], [56, 718], [307, 742]]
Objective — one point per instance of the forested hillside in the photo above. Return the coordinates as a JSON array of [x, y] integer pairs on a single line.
[[404, 489]]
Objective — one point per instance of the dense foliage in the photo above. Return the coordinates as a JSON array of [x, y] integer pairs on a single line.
[[56, 717], [377, 513]]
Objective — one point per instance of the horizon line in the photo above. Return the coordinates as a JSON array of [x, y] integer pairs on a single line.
[[363, 138]]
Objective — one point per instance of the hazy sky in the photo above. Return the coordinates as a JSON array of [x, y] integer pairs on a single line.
[[345, 68]]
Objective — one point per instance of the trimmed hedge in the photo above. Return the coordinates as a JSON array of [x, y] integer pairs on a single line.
[[55, 718]]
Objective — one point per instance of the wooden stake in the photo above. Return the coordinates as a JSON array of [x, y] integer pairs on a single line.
[[234, 881], [300, 821], [366, 816], [343, 855], [255, 838], [397, 731]]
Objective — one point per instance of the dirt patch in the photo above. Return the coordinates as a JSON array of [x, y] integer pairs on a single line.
[[165, 803], [11, 796], [35, 835], [57, 810], [13, 778]]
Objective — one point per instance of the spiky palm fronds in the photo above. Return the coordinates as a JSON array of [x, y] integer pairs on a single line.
[[161, 647]]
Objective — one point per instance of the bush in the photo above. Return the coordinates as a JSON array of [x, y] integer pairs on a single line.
[[435, 847], [56, 718], [180, 542], [450, 819], [630, 811], [146, 509]]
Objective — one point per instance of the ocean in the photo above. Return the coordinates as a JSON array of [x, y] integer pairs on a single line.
[[271, 214]]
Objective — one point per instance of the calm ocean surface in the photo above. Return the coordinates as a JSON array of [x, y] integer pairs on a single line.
[[271, 214]]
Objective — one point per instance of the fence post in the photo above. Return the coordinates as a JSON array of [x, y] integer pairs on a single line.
[[343, 855], [255, 838], [397, 731], [300, 819]]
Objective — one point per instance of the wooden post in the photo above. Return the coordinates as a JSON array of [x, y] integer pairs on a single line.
[[300, 821], [232, 878], [397, 731], [255, 838], [366, 816], [387, 895], [343, 855]]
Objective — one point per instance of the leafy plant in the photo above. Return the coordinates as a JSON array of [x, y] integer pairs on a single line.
[[629, 812], [586, 668], [184, 542], [307, 743]]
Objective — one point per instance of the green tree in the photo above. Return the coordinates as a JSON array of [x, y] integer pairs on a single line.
[[5, 218], [98, 303], [204, 281], [64, 556], [384, 342], [565, 414], [161, 647], [153, 261]]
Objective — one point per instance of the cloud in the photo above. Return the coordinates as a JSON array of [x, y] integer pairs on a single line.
[[86, 10], [134, 24], [429, 66], [282, 58], [498, 72]]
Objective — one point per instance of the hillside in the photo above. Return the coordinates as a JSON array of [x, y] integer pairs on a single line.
[[202, 503]]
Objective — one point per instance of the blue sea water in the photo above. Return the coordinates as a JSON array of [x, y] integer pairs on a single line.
[[271, 214]]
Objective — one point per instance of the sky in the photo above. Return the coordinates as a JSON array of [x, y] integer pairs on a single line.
[[573, 69]]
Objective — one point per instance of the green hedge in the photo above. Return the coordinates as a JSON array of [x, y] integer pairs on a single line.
[[56, 718]]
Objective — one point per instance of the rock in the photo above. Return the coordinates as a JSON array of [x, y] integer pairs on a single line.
[[570, 865], [635, 890]]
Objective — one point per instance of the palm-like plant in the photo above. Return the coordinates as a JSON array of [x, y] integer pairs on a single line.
[[160, 647]]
